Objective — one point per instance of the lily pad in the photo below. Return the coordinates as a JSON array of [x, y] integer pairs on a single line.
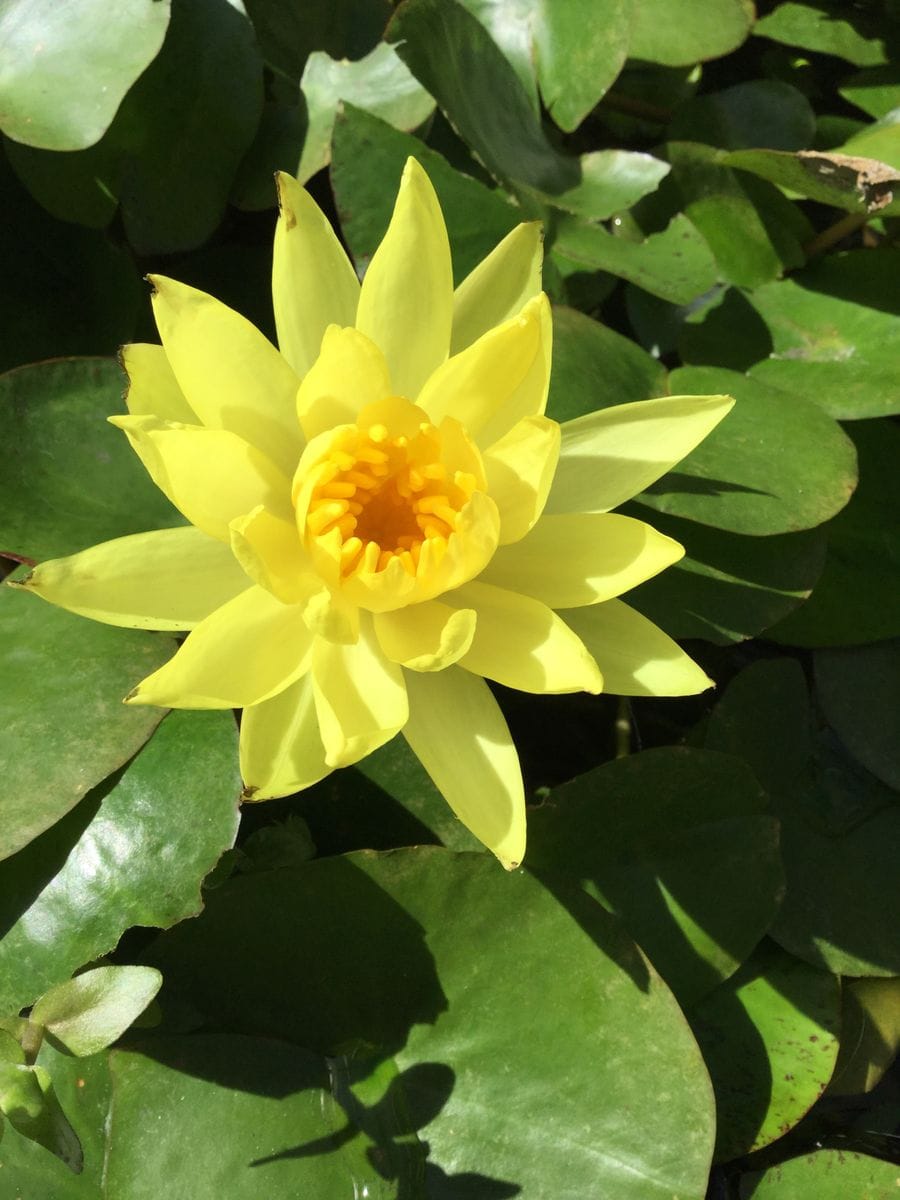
[[682, 32], [134, 852], [769, 1036], [825, 1175], [679, 844], [776, 464], [65, 69], [65, 488], [380, 83], [59, 675], [758, 112], [859, 692], [835, 331], [382, 968]]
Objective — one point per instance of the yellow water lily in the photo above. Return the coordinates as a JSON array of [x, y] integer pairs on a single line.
[[381, 515]]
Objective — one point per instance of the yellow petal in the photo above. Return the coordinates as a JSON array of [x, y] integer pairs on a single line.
[[406, 301], [499, 286], [232, 376], [349, 374], [523, 644], [635, 656], [168, 579], [360, 697], [209, 475], [152, 387], [269, 549], [425, 637], [458, 733], [607, 457], [281, 750], [246, 651], [314, 284], [580, 558], [501, 378], [519, 471]]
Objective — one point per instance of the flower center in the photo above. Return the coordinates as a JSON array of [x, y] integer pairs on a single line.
[[387, 494]]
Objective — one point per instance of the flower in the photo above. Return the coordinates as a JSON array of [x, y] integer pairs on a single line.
[[381, 515]]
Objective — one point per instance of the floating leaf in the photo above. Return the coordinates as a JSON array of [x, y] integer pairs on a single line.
[[682, 32], [381, 966], [380, 83], [661, 838], [367, 161], [595, 367], [824, 1175], [776, 464], [859, 692], [65, 69], [65, 488], [835, 332], [758, 112], [133, 853], [676, 265], [288, 34], [870, 1035], [769, 1036], [827, 28], [59, 675], [855, 183]]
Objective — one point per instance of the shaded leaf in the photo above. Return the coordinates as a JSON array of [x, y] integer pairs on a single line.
[[769, 1036], [133, 853], [661, 838], [858, 690], [870, 1035], [65, 488], [29, 1103], [757, 112], [288, 33]]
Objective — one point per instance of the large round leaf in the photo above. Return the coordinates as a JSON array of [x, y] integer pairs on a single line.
[[679, 844], [63, 726], [134, 852], [217, 1115], [64, 68], [776, 464], [825, 1175], [770, 1039], [859, 691], [441, 958], [73, 480], [856, 598], [835, 332]]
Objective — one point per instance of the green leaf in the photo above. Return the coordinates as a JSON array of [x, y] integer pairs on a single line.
[[66, 487], [835, 333], [679, 33], [63, 290], [610, 180], [133, 853], [859, 692], [751, 228], [289, 33], [662, 838], [824, 1175], [367, 160], [776, 464], [381, 967], [29, 1103], [595, 367], [757, 112], [453, 56], [64, 70], [676, 265], [839, 830], [90, 1012], [880, 141], [220, 1115], [380, 84], [855, 600], [79, 186], [770, 1040], [870, 1035], [728, 587], [82, 1089], [547, 39], [60, 676], [876, 90], [856, 182], [827, 28]]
